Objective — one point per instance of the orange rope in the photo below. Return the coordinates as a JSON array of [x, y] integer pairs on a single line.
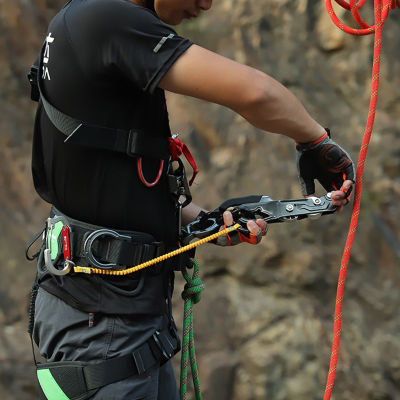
[[381, 12]]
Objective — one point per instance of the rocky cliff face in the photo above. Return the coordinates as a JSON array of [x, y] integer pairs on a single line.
[[264, 325]]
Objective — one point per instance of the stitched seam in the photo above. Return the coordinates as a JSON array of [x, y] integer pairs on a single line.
[[109, 336]]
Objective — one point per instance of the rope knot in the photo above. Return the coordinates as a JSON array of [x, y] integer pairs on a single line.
[[194, 285], [192, 295]]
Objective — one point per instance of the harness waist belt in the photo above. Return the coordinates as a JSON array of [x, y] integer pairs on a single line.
[[92, 245]]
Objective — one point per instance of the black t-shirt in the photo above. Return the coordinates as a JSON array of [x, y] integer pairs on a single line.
[[102, 63]]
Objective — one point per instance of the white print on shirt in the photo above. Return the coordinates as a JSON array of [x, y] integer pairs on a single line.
[[46, 56], [162, 41]]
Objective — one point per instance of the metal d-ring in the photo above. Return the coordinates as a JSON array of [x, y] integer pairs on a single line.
[[87, 247]]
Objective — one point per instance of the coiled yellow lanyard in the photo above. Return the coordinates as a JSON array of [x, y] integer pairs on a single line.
[[90, 270]]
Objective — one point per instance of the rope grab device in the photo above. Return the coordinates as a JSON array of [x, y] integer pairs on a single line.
[[381, 12]]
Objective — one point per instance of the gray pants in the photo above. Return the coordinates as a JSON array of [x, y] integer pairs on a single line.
[[62, 333]]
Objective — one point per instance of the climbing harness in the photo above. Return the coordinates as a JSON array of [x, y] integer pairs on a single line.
[[381, 12], [67, 241], [106, 251]]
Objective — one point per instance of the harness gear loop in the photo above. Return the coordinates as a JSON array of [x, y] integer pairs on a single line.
[[141, 176], [381, 11], [191, 295], [176, 148]]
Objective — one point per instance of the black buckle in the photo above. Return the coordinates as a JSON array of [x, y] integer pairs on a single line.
[[166, 348], [33, 80], [140, 365], [131, 146], [178, 184]]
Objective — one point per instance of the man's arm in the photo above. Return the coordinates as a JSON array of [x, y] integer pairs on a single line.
[[190, 212], [260, 99]]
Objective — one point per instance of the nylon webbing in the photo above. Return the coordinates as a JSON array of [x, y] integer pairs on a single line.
[[133, 142], [50, 387]]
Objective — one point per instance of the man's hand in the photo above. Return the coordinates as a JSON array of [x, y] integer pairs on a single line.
[[331, 165], [257, 229], [340, 197]]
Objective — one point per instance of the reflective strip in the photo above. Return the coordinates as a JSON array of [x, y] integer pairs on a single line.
[[162, 41], [49, 385]]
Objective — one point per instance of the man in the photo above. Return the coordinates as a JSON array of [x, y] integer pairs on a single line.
[[104, 65]]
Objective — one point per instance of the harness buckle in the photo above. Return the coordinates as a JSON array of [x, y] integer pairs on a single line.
[[166, 348], [131, 146], [87, 247], [33, 80]]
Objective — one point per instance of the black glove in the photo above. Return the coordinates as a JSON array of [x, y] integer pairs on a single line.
[[240, 236], [326, 161]]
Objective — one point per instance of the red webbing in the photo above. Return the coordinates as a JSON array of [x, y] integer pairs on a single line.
[[176, 148], [381, 10]]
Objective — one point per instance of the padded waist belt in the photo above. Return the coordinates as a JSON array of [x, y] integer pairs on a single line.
[[92, 245], [73, 380]]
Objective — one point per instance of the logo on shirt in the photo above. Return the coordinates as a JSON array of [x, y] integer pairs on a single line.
[[46, 57], [162, 41]]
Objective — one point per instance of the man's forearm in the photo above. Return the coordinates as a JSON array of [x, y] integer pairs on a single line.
[[190, 212], [276, 109]]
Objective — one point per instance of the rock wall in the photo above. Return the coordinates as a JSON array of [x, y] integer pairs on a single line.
[[264, 325]]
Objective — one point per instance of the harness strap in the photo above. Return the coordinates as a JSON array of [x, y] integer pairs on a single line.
[[133, 142], [73, 380]]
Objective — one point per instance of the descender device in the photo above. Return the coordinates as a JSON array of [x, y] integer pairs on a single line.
[[253, 207]]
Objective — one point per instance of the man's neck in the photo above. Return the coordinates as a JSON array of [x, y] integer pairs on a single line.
[[139, 2]]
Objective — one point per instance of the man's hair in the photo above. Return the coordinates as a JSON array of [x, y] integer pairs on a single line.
[[150, 5]]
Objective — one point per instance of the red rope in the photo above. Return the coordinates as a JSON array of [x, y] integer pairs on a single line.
[[381, 12]]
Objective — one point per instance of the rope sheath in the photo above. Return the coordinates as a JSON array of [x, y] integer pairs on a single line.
[[381, 8], [191, 295]]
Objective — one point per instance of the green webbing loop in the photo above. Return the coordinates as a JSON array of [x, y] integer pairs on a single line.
[[191, 295], [52, 239], [50, 387]]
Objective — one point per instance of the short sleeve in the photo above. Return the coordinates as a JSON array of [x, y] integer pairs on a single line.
[[140, 46]]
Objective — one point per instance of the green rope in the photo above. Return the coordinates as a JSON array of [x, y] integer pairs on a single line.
[[191, 295]]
